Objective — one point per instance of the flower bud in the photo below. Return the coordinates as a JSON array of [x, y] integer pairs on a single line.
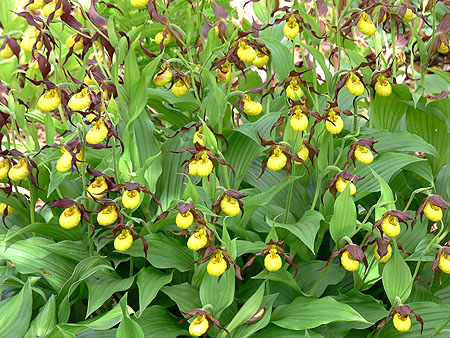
[[365, 25], [199, 326], [49, 101], [245, 52], [444, 262], [386, 257], [390, 226], [124, 241], [432, 212], [50, 8], [19, 171], [107, 216], [217, 266], [348, 262], [198, 240], [70, 217], [4, 168], [97, 187], [354, 85], [342, 183], [97, 133], [293, 91], [131, 199], [230, 206], [185, 220], [338, 125], [273, 261], [383, 87], [139, 3], [401, 324], [291, 28], [363, 154]]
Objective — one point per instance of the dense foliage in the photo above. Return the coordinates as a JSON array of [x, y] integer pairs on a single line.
[[174, 167]]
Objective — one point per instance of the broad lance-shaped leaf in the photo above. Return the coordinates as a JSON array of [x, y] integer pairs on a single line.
[[128, 327], [386, 196], [343, 221], [305, 229], [156, 321], [15, 313], [307, 313], [219, 294], [45, 321], [396, 277], [150, 281]]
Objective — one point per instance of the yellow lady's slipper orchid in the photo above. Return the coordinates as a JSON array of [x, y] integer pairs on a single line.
[[261, 59], [124, 241], [348, 262], [80, 100], [29, 40], [160, 36], [49, 101], [342, 183], [365, 25], [76, 45], [163, 77], [198, 240], [400, 323], [251, 107], [198, 138], [51, 7], [363, 154], [293, 91], [108, 215], [273, 261], [198, 326], [409, 15], [97, 187], [432, 212], [217, 266], [139, 3], [97, 133], [4, 207], [383, 87], [390, 226], [303, 153], [299, 121], [4, 168], [70, 217], [291, 28], [354, 85], [36, 4], [443, 49], [6, 52], [277, 160], [230, 206], [193, 165], [185, 220], [19, 171], [131, 198], [224, 72], [64, 163], [181, 88], [338, 125], [444, 263], [386, 257], [245, 52], [204, 166]]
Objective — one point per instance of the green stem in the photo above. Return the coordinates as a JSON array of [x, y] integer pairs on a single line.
[[366, 273], [32, 188], [316, 284], [131, 266], [318, 185], [413, 194], [288, 204]]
